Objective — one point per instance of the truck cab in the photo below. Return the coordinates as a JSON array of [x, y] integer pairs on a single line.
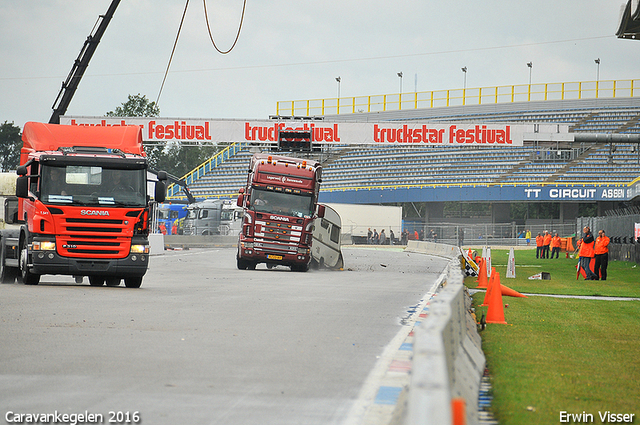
[[279, 202], [203, 218], [83, 203]]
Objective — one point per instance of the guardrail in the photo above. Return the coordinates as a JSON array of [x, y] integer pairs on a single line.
[[461, 97], [448, 362]]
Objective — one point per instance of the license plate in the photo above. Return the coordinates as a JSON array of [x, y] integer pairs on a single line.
[[274, 257]]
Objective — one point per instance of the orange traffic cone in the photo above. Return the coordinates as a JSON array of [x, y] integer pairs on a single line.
[[482, 274], [511, 292], [495, 312], [487, 294]]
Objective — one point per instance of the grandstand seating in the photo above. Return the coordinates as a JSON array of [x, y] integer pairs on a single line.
[[419, 166]]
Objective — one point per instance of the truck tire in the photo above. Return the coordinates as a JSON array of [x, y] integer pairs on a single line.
[[300, 268], [242, 264], [115, 281], [28, 278], [132, 282], [96, 280], [7, 274]]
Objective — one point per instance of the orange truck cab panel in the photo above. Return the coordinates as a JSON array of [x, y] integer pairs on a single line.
[[84, 204]]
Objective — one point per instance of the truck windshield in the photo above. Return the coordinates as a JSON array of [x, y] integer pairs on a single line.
[[289, 204], [90, 185]]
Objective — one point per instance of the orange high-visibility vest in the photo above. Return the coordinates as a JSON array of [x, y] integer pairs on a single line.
[[602, 245]]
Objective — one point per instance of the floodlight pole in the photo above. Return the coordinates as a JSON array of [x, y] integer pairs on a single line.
[[464, 86]]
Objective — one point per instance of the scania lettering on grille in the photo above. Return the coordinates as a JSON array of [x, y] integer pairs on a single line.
[[93, 212], [275, 217]]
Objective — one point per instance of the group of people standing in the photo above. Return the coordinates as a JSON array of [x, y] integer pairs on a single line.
[[597, 249], [375, 238], [547, 243]]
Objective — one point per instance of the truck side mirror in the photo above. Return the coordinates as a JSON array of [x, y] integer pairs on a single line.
[[321, 210], [22, 186], [240, 200], [162, 175], [22, 170], [161, 190]]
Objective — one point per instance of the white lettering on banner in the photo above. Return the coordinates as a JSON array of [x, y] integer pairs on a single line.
[[535, 192], [568, 193], [613, 193]]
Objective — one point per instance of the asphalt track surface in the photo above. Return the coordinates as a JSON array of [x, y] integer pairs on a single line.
[[204, 343]]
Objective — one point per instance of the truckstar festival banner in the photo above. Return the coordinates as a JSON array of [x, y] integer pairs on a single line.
[[419, 133]]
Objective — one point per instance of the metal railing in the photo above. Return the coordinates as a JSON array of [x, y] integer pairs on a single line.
[[461, 97], [205, 167]]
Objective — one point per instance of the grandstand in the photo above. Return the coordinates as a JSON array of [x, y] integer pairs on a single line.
[[391, 173], [350, 167]]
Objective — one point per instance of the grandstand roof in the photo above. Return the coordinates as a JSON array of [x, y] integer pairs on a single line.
[[629, 20]]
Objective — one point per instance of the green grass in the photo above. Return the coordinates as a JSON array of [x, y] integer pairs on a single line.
[[563, 354]]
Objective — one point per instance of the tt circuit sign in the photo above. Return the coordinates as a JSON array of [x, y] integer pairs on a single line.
[[576, 194], [322, 132]]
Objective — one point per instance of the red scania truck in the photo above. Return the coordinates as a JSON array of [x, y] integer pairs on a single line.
[[280, 203], [83, 205]]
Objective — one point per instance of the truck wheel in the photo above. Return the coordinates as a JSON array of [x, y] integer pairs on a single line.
[[242, 264], [115, 281], [28, 278], [132, 282], [96, 280], [7, 274], [300, 267], [251, 265]]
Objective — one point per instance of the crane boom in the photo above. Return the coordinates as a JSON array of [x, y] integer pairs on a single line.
[[70, 85]]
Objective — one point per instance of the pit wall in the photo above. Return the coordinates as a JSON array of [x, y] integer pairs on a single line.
[[448, 362]]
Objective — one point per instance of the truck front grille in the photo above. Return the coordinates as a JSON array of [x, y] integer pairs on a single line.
[[94, 237]]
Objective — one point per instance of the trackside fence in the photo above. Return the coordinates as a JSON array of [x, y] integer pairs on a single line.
[[448, 362], [624, 245]]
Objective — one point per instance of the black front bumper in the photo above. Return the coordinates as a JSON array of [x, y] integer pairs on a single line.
[[49, 262]]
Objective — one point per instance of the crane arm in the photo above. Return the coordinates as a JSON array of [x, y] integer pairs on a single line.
[[70, 85]]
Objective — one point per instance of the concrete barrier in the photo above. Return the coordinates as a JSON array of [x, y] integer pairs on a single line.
[[448, 362], [431, 248], [186, 241]]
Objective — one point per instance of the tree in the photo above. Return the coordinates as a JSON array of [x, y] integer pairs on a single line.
[[169, 156], [10, 144], [136, 106]]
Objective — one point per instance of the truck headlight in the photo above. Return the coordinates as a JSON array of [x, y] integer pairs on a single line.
[[139, 249], [43, 246]]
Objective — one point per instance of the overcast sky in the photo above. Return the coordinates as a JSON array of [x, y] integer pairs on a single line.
[[290, 50]]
